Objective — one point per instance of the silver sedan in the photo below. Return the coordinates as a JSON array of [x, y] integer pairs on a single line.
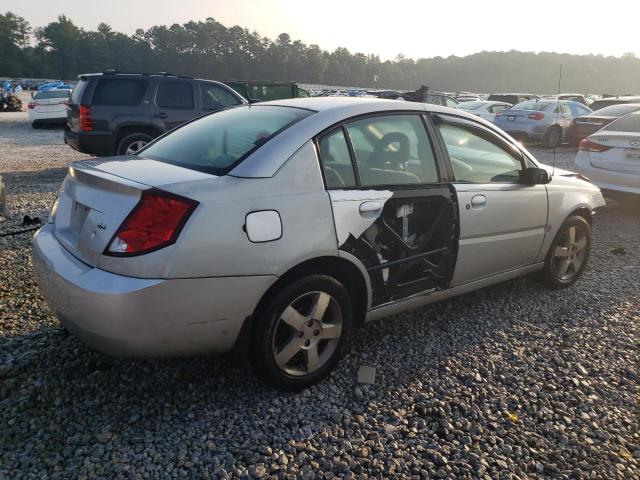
[[277, 229]]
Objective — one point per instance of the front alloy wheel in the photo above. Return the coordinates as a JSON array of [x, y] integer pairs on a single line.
[[569, 253], [302, 332]]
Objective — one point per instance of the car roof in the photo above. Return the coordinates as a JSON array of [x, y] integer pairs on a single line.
[[266, 160]]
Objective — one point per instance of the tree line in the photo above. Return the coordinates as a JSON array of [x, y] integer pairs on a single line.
[[209, 49]]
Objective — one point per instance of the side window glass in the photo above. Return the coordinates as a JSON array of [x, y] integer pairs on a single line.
[[477, 158], [498, 108], [450, 103], [392, 150], [215, 97], [119, 92], [336, 160], [175, 95]]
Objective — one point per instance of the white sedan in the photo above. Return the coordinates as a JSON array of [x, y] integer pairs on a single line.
[[611, 156], [49, 106], [484, 109]]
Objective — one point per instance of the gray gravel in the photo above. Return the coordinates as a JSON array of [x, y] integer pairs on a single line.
[[513, 381]]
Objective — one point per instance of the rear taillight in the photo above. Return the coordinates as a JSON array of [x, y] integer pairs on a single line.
[[536, 116], [86, 120], [31, 105], [155, 222], [587, 145]]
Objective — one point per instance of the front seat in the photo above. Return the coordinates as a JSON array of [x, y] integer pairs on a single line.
[[391, 152]]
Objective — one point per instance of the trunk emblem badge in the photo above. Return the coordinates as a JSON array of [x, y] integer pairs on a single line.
[[634, 143], [102, 226]]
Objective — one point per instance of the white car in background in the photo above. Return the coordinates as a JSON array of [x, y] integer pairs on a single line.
[[484, 109], [49, 106], [611, 156]]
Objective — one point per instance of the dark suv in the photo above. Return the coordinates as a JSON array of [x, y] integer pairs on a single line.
[[115, 113]]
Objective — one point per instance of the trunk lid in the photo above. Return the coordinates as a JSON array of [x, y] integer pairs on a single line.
[[98, 195], [512, 115], [624, 154]]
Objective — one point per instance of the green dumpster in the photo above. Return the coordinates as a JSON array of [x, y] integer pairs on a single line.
[[266, 90]]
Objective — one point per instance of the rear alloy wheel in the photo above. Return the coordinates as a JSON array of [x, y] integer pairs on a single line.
[[303, 332], [552, 138], [131, 144], [569, 253]]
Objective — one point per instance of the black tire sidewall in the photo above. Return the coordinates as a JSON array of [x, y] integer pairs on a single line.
[[547, 137], [129, 139], [549, 275], [266, 322]]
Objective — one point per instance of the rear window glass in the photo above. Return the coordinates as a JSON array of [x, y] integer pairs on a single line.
[[52, 94], [175, 95], [78, 90], [119, 91], [532, 105], [470, 105], [617, 110], [628, 123], [217, 142]]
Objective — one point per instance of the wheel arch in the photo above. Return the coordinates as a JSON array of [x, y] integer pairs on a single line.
[[348, 271], [584, 212], [128, 129]]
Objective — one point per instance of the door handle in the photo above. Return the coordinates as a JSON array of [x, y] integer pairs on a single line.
[[370, 207], [478, 201], [160, 115]]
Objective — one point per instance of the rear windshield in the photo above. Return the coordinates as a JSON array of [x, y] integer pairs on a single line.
[[119, 91], [52, 94], [470, 105], [78, 90], [628, 123], [219, 141], [616, 110], [532, 105]]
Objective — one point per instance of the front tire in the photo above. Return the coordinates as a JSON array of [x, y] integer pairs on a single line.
[[569, 253], [302, 332], [132, 143]]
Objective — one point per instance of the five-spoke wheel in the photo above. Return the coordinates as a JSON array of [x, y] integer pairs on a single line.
[[301, 333], [569, 253]]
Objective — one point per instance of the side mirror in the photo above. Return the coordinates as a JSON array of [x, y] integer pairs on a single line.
[[534, 176]]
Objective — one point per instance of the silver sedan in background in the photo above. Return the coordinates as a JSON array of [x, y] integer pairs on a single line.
[[279, 228], [544, 121]]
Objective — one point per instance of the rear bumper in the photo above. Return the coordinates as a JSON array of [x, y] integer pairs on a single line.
[[136, 317], [530, 132], [624, 182], [94, 143]]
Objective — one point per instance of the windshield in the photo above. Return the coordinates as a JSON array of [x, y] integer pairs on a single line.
[[217, 142], [470, 105], [617, 110], [532, 105], [628, 123]]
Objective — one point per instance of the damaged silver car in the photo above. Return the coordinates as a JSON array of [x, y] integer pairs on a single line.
[[279, 228]]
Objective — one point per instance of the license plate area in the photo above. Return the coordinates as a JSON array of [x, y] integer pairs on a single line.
[[511, 118], [79, 213]]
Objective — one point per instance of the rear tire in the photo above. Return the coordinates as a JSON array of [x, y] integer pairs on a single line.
[[132, 143], [302, 332], [36, 125], [569, 254], [552, 138]]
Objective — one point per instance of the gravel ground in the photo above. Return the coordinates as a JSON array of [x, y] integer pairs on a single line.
[[513, 381]]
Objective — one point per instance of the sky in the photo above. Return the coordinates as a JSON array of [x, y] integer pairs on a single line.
[[414, 28]]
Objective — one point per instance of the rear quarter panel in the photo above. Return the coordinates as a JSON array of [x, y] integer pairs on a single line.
[[214, 243]]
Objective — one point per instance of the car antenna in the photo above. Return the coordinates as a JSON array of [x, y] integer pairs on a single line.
[[555, 147]]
